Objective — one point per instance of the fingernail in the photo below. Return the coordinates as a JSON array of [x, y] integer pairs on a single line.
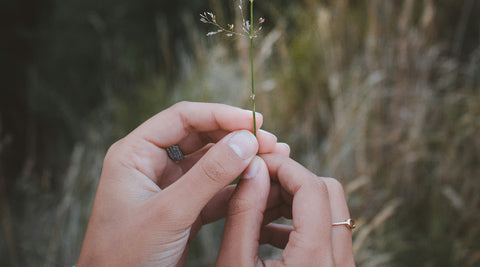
[[252, 169], [244, 144]]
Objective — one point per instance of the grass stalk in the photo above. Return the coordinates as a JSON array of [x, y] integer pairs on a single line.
[[248, 31], [251, 69]]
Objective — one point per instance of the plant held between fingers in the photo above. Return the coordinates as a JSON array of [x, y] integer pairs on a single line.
[[248, 31]]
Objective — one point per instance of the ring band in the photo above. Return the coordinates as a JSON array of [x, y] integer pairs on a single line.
[[349, 223], [175, 153]]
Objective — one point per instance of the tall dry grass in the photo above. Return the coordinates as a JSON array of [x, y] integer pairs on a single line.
[[373, 93], [386, 106]]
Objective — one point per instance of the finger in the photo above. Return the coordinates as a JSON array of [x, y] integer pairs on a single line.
[[170, 126], [142, 150], [282, 149], [341, 235], [144, 146], [173, 171], [195, 141], [244, 218], [275, 234], [191, 159], [311, 240], [267, 141], [220, 166]]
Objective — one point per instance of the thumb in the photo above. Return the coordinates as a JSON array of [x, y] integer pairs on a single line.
[[222, 164], [241, 234]]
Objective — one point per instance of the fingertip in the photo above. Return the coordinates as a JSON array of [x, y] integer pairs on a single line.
[[244, 144], [267, 134], [252, 169], [255, 182], [267, 141], [257, 168], [283, 149]]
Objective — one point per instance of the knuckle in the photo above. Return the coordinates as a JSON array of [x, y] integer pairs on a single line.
[[181, 105], [321, 185], [114, 150], [214, 170], [334, 185]]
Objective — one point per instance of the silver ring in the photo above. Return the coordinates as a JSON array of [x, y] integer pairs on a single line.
[[349, 223], [174, 153]]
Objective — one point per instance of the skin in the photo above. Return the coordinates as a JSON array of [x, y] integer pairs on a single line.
[[312, 203], [148, 209]]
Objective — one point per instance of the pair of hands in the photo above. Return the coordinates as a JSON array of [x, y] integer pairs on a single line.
[[148, 208]]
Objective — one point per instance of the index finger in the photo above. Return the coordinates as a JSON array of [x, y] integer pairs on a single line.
[[170, 126], [311, 239]]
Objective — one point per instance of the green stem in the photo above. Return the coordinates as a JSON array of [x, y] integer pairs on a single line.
[[251, 69]]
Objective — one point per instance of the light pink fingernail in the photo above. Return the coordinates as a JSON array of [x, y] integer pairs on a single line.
[[244, 144]]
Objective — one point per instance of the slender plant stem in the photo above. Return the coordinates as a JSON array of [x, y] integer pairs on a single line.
[[251, 69]]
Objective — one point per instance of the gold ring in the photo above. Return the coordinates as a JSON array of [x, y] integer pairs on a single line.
[[349, 223]]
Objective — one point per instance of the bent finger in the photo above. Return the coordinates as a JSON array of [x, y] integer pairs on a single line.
[[216, 169], [196, 140], [144, 148], [310, 242], [173, 171], [170, 126]]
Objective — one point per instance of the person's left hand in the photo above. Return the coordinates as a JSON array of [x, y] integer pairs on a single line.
[[148, 208]]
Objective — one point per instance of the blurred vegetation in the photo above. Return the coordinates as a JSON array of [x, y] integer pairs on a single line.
[[383, 95]]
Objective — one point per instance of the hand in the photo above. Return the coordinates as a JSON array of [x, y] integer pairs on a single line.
[[312, 202], [147, 207]]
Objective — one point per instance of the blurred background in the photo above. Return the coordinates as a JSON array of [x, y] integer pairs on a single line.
[[382, 94]]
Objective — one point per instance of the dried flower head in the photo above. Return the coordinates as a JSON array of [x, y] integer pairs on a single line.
[[229, 30], [248, 31]]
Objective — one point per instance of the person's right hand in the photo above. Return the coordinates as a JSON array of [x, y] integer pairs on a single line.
[[149, 208], [312, 202]]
